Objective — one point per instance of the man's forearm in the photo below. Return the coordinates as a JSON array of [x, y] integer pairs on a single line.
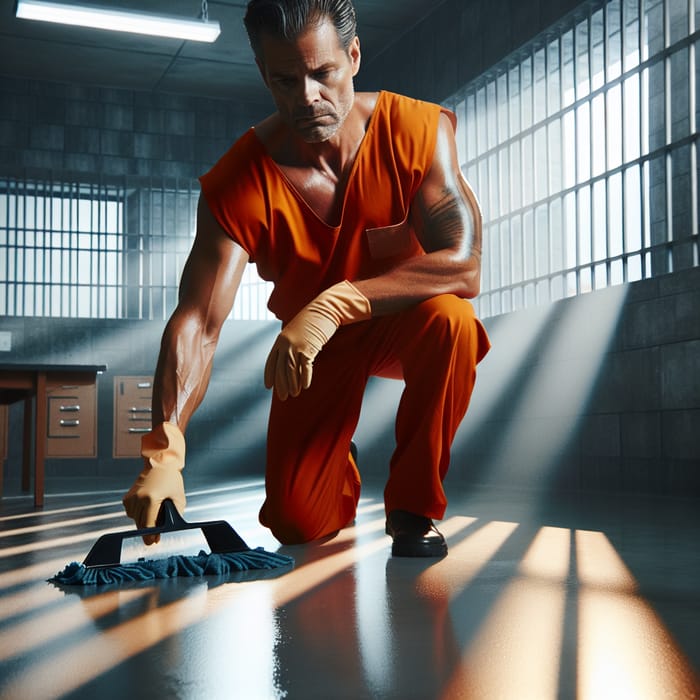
[[182, 373], [417, 279]]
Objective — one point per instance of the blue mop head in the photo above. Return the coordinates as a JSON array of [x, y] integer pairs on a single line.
[[203, 564], [229, 554]]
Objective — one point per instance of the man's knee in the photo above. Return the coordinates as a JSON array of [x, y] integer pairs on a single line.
[[289, 521], [447, 317], [447, 333], [296, 518]]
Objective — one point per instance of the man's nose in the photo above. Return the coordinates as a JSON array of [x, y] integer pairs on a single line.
[[310, 91]]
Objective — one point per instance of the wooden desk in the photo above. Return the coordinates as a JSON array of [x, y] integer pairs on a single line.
[[27, 382]]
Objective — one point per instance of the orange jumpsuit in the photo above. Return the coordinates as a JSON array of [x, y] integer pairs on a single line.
[[312, 484]]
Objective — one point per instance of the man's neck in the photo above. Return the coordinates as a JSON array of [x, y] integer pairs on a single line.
[[333, 157]]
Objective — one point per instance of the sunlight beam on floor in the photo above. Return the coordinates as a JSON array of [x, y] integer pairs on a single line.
[[625, 652], [516, 652], [449, 576]]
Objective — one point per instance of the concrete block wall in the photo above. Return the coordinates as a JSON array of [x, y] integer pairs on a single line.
[[598, 392], [63, 128]]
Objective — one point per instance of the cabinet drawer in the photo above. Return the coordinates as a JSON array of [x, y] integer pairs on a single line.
[[71, 418], [132, 414]]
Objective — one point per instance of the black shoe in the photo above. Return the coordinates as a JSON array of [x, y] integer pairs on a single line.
[[414, 535]]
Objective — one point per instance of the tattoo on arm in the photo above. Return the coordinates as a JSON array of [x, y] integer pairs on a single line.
[[475, 220], [445, 224]]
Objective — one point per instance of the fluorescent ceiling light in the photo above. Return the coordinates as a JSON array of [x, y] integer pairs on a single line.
[[120, 21]]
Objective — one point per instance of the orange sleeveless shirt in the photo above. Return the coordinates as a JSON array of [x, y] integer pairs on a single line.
[[291, 246]]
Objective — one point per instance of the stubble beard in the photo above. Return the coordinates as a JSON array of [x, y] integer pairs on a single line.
[[318, 133]]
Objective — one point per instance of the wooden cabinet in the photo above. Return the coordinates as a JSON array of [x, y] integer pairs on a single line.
[[63, 422], [71, 416], [132, 414]]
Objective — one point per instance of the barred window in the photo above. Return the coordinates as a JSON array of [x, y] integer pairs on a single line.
[[582, 148], [105, 250]]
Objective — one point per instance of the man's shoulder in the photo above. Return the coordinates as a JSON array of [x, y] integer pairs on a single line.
[[405, 113], [403, 109], [240, 155], [396, 98]]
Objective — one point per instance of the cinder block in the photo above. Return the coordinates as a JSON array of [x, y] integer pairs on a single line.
[[679, 282], [179, 123], [117, 143], [116, 96], [683, 477], [42, 160], [179, 148], [82, 113], [172, 168], [599, 436], [118, 116], [680, 376], [628, 381], [600, 473], [14, 134], [82, 93], [643, 475], [81, 162], [640, 435], [211, 124], [11, 160], [149, 146], [648, 323], [48, 110], [13, 86], [80, 139], [680, 430], [113, 165], [46, 136], [149, 120]]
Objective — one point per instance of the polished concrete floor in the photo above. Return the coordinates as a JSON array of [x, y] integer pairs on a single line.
[[539, 598]]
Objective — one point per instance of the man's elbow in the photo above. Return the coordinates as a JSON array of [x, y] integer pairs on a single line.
[[470, 279]]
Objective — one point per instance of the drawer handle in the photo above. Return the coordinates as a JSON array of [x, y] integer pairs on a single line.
[[69, 423], [70, 409], [143, 385], [139, 430], [134, 409], [70, 386]]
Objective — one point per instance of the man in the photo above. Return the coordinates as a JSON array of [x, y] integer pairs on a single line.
[[355, 207]]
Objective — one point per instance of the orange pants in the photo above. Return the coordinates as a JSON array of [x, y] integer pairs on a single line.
[[312, 483]]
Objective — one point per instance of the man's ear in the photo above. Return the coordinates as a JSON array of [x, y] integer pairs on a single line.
[[355, 54]]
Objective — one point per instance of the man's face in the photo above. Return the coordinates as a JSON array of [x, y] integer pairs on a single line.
[[310, 79]]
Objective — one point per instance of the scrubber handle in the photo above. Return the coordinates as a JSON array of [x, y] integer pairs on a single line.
[[220, 536], [169, 516]]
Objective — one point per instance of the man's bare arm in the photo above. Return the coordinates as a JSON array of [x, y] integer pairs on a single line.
[[448, 223], [208, 286]]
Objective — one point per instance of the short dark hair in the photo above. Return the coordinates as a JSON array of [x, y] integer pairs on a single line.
[[287, 19]]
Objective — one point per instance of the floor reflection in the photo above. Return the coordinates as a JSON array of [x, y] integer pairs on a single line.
[[567, 604]]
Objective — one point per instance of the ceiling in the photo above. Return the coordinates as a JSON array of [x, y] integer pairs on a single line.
[[222, 70]]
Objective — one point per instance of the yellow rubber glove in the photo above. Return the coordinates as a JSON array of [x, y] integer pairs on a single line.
[[289, 366], [163, 450]]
